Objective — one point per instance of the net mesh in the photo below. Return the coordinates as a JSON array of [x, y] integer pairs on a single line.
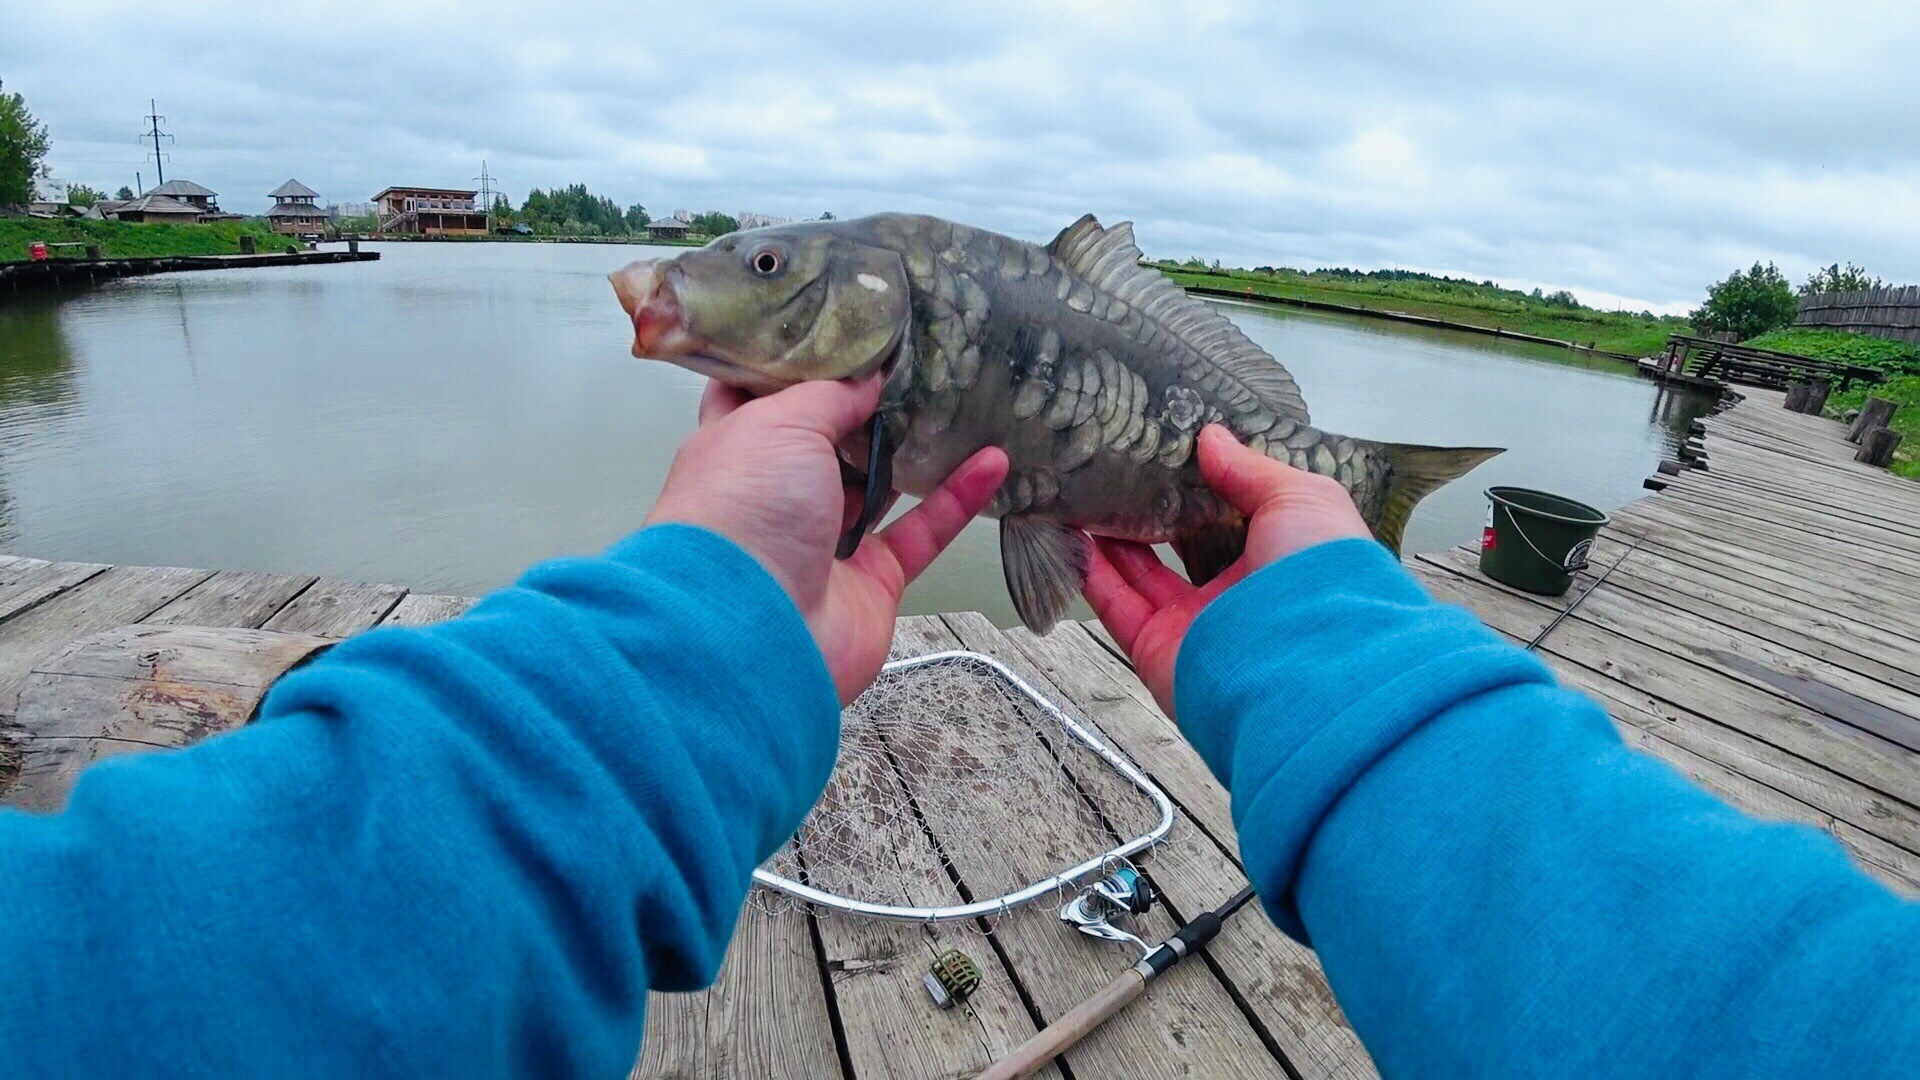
[[952, 786]]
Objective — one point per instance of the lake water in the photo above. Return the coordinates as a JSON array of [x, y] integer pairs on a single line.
[[452, 413]]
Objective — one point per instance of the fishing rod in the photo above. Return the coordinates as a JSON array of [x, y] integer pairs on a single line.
[[1054, 1039], [1584, 593], [1125, 891]]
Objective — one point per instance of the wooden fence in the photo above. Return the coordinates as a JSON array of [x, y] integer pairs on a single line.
[[1892, 312]]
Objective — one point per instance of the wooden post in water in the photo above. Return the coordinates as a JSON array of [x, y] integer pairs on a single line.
[[246, 244], [1877, 446], [1875, 412]]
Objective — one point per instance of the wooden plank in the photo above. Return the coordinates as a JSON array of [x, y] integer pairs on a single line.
[[1188, 1023], [1816, 611], [337, 608], [1279, 979], [233, 598], [1832, 795], [1780, 551], [765, 1015], [1652, 611], [1841, 596], [891, 1026], [1897, 868], [136, 688], [26, 582], [1865, 703], [1873, 762], [114, 597], [422, 609]]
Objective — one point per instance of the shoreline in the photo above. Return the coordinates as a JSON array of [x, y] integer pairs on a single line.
[[1431, 322]]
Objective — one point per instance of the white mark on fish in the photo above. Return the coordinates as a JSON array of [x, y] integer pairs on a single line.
[[871, 282]]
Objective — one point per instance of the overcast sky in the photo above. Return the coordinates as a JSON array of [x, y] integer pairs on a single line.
[[1630, 152]]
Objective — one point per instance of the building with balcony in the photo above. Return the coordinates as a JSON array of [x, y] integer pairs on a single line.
[[425, 211]]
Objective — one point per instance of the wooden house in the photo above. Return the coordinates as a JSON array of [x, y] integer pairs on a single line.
[[294, 212], [190, 193], [667, 229], [153, 207], [425, 211]]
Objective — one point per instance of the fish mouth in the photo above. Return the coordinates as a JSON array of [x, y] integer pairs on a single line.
[[661, 330]]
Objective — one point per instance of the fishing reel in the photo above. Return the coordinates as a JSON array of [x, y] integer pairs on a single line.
[[1123, 892]]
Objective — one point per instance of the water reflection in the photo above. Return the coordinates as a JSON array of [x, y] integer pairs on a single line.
[[36, 386]]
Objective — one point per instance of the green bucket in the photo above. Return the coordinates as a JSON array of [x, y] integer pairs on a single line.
[[1536, 541]]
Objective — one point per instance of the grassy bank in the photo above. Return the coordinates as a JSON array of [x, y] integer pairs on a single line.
[[1900, 360], [120, 239], [1466, 302]]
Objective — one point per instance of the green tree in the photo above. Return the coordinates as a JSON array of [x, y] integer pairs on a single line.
[[502, 212], [82, 195], [1837, 278], [714, 223], [1747, 303], [826, 215], [637, 218], [125, 192], [23, 147]]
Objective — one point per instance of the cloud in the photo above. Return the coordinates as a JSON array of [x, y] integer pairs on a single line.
[[1631, 152]]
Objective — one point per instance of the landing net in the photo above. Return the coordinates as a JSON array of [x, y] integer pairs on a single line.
[[960, 793]]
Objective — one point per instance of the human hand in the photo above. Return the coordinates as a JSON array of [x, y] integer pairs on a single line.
[[1148, 608], [764, 474]]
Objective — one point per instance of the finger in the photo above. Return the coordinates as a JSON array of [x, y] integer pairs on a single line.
[[719, 401], [830, 408], [1121, 609], [925, 531], [1145, 572], [1246, 478]]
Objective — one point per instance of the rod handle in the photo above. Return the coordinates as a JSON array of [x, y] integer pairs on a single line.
[[1031, 1056]]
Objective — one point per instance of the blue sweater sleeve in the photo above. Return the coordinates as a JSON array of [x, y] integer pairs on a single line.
[[1495, 884], [469, 849]]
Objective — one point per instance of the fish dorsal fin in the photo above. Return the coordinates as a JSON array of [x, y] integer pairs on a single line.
[[1110, 261]]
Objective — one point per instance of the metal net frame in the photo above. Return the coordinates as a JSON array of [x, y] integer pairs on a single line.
[[932, 757]]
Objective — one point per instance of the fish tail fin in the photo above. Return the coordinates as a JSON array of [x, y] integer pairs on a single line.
[[1413, 472]]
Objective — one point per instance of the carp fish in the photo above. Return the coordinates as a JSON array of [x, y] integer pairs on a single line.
[[1093, 372]]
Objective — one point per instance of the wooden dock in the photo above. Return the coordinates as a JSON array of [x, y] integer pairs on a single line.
[[62, 273], [1758, 626]]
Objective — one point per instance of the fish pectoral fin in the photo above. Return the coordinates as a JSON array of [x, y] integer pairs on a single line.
[[879, 485], [1206, 552], [852, 477], [1045, 563]]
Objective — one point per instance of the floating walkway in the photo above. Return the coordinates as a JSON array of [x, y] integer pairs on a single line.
[[1758, 626]]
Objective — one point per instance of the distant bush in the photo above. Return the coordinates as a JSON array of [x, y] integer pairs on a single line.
[[1747, 303], [1837, 278]]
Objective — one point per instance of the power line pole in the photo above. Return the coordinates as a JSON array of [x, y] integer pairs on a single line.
[[153, 131], [486, 193]]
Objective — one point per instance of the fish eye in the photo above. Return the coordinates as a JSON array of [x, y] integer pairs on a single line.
[[766, 262]]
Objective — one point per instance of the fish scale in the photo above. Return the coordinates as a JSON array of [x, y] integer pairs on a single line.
[[1094, 373]]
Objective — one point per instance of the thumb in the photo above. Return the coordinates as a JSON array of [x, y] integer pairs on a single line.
[[1245, 477], [828, 407]]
